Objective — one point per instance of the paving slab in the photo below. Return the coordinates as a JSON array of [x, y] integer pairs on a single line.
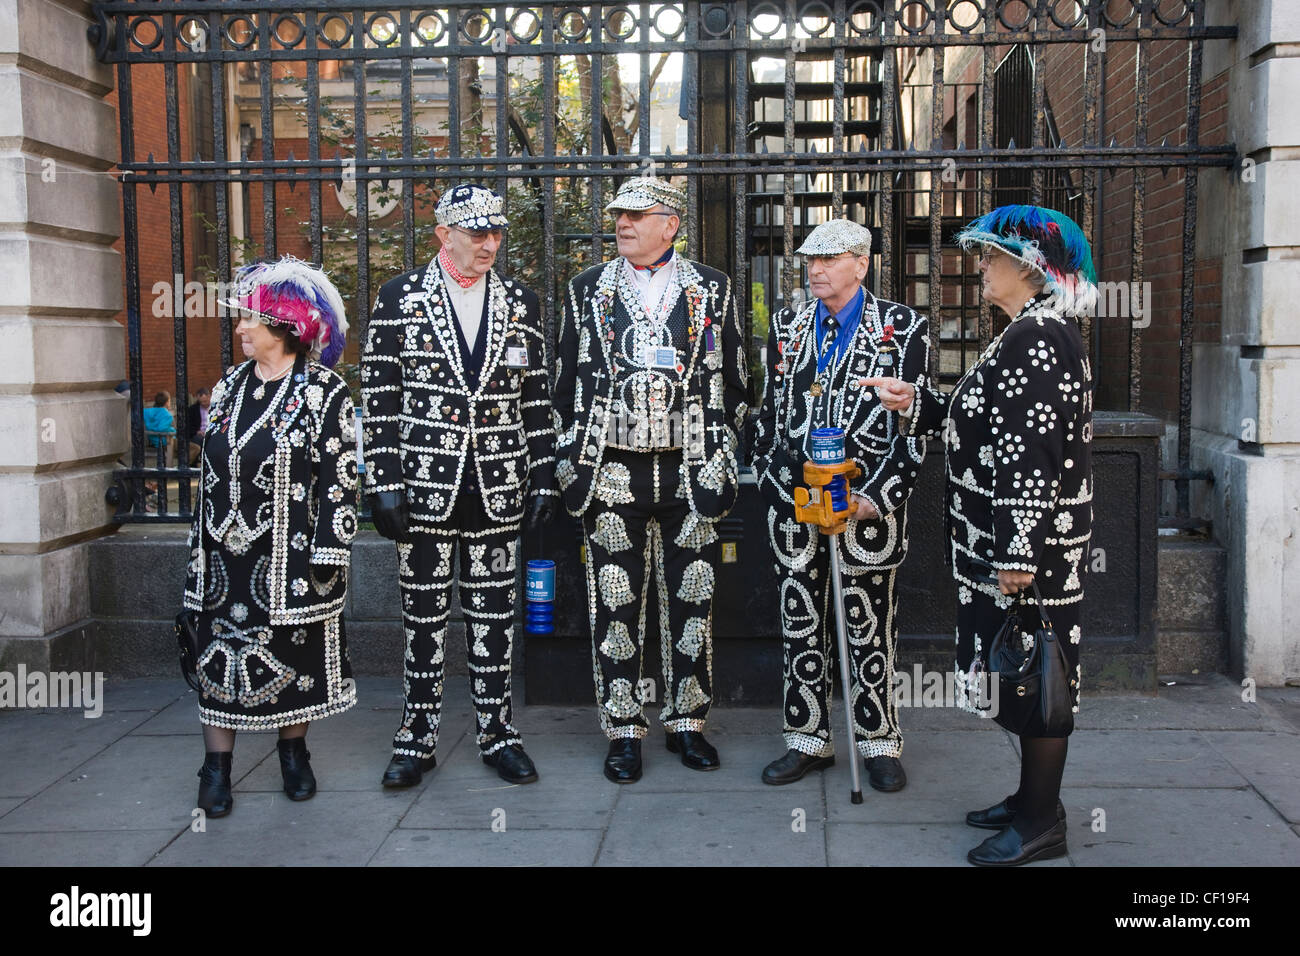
[[571, 793], [144, 693], [907, 844], [180, 718], [36, 749], [947, 775], [347, 753], [1214, 704], [1283, 703], [739, 828], [8, 803], [331, 829], [553, 718], [90, 848], [1271, 762], [138, 783], [1176, 827], [1146, 758], [487, 848], [743, 758]]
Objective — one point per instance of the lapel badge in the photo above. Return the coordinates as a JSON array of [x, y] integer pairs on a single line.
[[887, 347], [816, 390]]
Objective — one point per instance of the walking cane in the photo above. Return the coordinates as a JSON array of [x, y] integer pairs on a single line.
[[827, 476]]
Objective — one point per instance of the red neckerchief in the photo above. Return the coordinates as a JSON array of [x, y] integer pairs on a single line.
[[457, 276], [654, 267]]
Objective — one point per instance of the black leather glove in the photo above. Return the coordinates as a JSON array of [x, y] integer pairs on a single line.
[[541, 511], [388, 511]]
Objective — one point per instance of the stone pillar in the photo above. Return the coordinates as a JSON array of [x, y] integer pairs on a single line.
[[61, 424], [1246, 387]]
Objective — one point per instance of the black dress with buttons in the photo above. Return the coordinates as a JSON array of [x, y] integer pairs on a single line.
[[256, 675], [1018, 433]]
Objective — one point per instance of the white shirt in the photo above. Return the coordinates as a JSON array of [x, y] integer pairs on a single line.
[[652, 288], [468, 304]]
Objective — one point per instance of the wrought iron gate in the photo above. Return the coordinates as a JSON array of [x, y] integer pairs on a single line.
[[781, 114]]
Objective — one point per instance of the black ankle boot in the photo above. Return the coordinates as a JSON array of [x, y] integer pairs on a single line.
[[215, 798], [295, 768]]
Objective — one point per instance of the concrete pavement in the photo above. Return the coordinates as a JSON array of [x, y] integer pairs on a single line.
[[1192, 776]]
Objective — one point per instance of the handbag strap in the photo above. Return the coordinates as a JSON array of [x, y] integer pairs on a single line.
[[1042, 608]]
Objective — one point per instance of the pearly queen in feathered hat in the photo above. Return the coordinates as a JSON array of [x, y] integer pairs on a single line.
[[298, 296]]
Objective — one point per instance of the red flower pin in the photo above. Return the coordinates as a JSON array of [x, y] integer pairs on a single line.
[[887, 333]]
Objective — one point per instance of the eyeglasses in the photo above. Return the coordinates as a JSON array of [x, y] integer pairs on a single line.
[[480, 236], [636, 215], [989, 256], [828, 260]]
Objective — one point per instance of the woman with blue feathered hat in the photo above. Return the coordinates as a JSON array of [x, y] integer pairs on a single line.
[[273, 527], [1017, 430]]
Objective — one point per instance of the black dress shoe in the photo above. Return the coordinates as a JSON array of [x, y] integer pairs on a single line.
[[406, 771], [512, 764], [623, 762], [295, 768], [886, 774], [1000, 815], [697, 753], [1006, 848], [215, 798], [792, 766]]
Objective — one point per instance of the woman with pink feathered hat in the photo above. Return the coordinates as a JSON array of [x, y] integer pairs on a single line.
[[275, 515]]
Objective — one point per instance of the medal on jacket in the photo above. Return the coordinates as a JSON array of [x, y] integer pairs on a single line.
[[887, 350], [815, 390]]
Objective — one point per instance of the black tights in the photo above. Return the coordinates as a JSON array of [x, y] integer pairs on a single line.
[[221, 740], [1042, 762]]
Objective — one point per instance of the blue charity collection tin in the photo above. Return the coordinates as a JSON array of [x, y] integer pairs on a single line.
[[539, 591], [828, 446]]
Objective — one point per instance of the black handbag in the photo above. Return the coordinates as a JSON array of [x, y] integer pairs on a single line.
[[187, 639], [1033, 687]]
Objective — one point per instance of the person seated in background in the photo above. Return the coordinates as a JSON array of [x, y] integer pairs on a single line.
[[158, 422], [197, 416]]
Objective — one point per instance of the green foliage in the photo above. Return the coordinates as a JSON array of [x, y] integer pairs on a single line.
[[759, 312]]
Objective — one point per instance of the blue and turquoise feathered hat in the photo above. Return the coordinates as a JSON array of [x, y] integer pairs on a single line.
[[1046, 240]]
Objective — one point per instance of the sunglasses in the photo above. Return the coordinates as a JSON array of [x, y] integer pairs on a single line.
[[480, 236], [636, 215]]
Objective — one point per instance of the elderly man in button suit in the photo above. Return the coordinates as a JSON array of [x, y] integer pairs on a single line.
[[650, 394], [816, 361], [458, 439]]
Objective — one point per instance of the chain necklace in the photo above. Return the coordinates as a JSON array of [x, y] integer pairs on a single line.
[[260, 392]]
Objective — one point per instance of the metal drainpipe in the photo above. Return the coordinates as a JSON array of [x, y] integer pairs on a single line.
[[1100, 218]]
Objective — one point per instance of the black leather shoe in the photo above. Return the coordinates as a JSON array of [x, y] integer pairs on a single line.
[[405, 771], [623, 762], [1000, 815], [793, 766], [1006, 848], [295, 768], [697, 753], [215, 798], [886, 774], [512, 764]]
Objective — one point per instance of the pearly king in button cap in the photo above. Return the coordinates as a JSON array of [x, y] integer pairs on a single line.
[[471, 207], [645, 192], [836, 237]]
